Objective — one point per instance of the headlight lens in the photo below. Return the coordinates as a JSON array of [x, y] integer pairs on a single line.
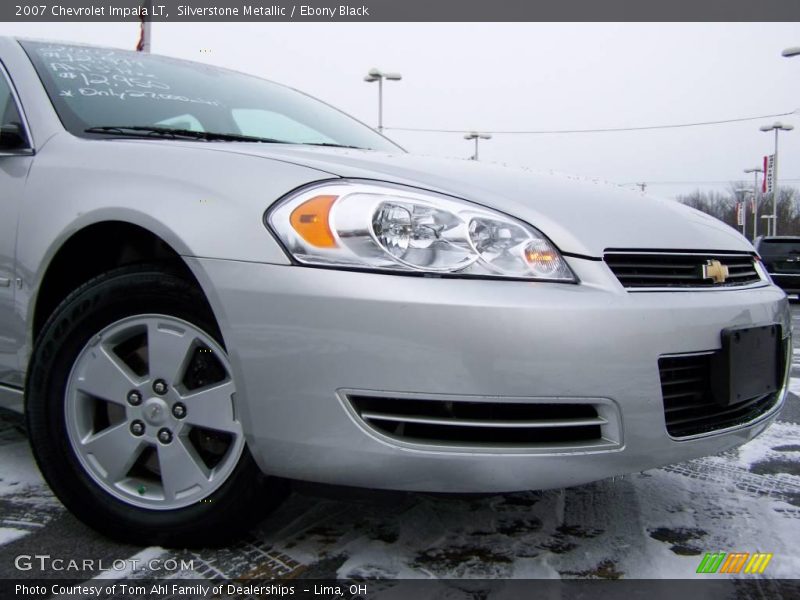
[[393, 228]]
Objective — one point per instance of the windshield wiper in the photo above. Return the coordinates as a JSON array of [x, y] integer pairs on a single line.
[[332, 145], [148, 131]]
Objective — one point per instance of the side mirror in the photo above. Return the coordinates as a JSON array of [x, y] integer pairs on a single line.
[[12, 137]]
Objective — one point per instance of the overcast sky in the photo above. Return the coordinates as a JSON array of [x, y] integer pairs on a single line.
[[527, 76]]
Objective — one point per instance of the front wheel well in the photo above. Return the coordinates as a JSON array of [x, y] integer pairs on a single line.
[[97, 249]]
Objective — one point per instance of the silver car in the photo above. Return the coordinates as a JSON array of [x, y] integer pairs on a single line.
[[211, 284]]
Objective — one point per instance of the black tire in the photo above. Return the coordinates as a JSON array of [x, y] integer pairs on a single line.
[[221, 517]]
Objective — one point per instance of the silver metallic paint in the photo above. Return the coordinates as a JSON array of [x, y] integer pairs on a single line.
[[297, 336]]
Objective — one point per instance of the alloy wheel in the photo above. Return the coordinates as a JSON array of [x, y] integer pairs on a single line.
[[150, 412]]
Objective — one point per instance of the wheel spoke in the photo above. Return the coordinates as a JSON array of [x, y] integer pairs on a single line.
[[105, 376], [168, 351], [212, 408], [114, 450], [181, 468], [178, 428]]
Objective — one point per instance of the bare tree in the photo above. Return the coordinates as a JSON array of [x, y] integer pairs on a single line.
[[722, 205]]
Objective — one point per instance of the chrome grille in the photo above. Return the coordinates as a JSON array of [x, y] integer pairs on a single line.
[[488, 424], [637, 270]]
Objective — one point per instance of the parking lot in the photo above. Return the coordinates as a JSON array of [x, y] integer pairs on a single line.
[[654, 524]]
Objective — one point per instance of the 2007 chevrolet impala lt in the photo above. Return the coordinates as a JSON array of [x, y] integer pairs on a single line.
[[211, 284]]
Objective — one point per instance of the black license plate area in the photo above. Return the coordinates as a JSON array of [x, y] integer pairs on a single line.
[[748, 365]]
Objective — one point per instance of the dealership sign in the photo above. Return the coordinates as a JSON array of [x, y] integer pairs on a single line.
[[769, 174]]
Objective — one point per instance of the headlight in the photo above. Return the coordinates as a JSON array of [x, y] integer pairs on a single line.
[[385, 227]]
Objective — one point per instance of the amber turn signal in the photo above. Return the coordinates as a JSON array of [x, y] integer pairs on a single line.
[[535, 256], [310, 221]]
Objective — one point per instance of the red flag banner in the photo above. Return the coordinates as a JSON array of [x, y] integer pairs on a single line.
[[143, 44], [140, 43]]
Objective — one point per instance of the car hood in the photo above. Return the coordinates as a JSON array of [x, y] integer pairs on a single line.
[[581, 216]]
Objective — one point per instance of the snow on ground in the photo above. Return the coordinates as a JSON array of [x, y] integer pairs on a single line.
[[25, 502], [649, 525], [656, 524], [19, 471], [9, 534]]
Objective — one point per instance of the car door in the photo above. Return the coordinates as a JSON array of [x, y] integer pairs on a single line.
[[15, 160]]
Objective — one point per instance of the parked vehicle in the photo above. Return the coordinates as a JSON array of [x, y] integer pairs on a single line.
[[211, 284], [781, 256]]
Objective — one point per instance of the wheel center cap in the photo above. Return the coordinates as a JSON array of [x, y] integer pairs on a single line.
[[155, 411]]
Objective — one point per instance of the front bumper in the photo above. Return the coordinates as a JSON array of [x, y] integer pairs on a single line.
[[299, 338]]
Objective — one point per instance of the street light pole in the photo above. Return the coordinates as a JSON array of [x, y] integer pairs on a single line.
[[755, 171], [776, 127], [768, 218], [474, 135], [377, 75]]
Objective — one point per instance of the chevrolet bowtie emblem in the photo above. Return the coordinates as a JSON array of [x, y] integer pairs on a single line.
[[715, 270]]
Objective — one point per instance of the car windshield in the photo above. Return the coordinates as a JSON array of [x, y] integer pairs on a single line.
[[117, 92], [779, 246]]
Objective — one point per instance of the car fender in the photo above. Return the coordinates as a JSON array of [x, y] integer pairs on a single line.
[[200, 203]]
